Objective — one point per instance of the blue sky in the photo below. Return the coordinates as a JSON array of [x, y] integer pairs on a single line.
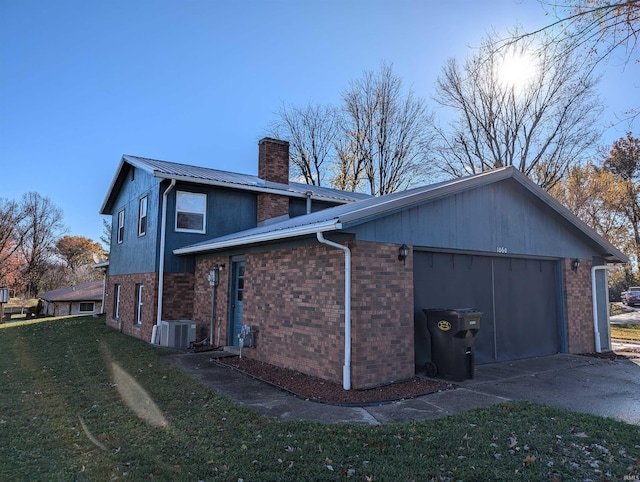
[[83, 82]]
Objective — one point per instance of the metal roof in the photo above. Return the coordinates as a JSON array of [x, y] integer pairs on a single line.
[[91, 291], [216, 177], [344, 216]]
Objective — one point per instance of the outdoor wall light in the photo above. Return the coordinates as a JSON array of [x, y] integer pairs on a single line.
[[575, 264], [403, 252]]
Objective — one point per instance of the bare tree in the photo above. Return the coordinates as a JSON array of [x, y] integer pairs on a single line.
[[311, 131], [596, 28], [11, 215], [542, 119], [39, 230], [386, 132], [375, 141]]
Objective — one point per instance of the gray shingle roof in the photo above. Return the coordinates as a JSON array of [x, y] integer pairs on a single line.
[[91, 291]]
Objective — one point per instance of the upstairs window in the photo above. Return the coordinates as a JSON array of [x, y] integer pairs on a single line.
[[191, 210], [120, 234], [142, 217]]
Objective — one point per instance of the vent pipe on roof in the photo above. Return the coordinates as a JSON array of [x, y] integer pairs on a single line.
[[346, 369], [309, 194], [155, 337]]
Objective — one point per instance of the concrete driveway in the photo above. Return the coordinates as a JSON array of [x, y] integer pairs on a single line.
[[579, 383]]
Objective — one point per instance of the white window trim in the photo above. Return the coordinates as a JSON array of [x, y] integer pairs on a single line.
[[144, 201], [204, 214], [116, 314], [139, 295], [119, 225]]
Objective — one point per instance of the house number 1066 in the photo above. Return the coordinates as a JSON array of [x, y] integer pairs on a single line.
[[501, 249]]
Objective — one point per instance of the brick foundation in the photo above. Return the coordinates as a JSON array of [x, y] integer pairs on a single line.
[[578, 307]]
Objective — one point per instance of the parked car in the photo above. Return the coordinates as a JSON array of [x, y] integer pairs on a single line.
[[632, 296]]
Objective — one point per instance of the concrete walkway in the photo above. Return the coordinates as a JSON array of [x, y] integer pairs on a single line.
[[632, 317], [579, 383]]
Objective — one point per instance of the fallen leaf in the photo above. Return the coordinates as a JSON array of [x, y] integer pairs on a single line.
[[529, 459], [513, 441]]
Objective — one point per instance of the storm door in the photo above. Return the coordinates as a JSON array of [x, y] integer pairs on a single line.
[[236, 302]]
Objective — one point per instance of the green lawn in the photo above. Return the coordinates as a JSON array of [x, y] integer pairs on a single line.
[[626, 332], [79, 401]]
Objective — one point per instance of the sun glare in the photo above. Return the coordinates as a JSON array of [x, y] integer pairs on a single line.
[[517, 70]]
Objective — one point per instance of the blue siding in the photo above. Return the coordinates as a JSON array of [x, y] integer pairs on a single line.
[[228, 211], [500, 216], [136, 254]]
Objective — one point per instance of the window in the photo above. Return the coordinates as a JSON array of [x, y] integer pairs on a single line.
[[120, 235], [142, 217], [190, 212], [86, 307], [116, 302], [139, 289]]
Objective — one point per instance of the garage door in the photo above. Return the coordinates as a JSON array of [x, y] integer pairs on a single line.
[[518, 299]]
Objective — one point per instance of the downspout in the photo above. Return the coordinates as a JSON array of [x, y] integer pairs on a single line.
[[309, 194], [155, 338], [594, 296], [346, 369]]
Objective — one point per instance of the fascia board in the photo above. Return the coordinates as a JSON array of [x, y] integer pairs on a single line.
[[331, 225], [124, 160]]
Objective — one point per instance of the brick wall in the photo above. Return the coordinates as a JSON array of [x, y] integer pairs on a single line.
[[202, 297], [178, 296], [295, 299], [383, 347], [271, 206], [578, 307], [127, 311]]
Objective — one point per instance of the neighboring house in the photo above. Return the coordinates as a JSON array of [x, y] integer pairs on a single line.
[[493, 241], [81, 299]]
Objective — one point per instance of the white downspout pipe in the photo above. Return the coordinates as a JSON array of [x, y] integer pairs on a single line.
[[594, 296], [155, 338], [346, 369]]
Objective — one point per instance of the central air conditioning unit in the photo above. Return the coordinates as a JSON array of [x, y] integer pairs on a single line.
[[177, 333]]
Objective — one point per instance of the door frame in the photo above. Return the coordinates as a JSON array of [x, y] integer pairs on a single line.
[[233, 286]]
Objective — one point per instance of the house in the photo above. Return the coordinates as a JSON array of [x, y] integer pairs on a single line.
[[333, 284], [81, 299]]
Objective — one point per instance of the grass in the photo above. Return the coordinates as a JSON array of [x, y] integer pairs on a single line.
[[80, 401], [626, 332]]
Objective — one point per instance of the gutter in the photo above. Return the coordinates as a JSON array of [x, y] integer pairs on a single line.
[[155, 338], [594, 299], [305, 229], [346, 369]]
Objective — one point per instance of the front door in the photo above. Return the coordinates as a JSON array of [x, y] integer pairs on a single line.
[[236, 302]]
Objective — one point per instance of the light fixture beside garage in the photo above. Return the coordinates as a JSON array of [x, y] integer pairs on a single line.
[[403, 252], [575, 264]]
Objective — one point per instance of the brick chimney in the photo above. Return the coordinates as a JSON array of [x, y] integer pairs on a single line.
[[273, 167]]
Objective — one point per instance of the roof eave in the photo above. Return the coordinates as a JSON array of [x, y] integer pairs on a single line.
[[331, 225]]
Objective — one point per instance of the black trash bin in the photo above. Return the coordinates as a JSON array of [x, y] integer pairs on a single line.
[[452, 336]]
